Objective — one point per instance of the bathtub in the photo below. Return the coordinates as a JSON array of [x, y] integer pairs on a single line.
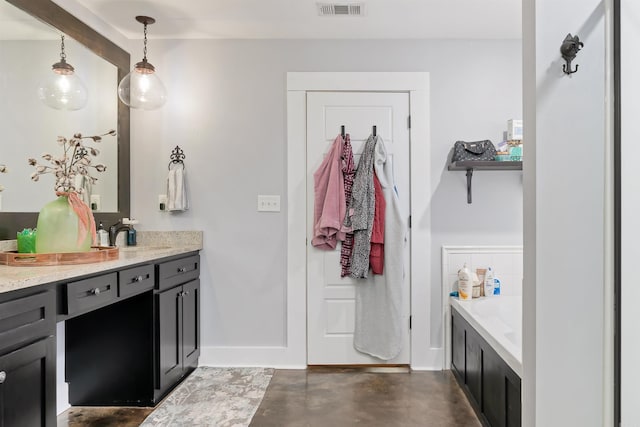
[[499, 321]]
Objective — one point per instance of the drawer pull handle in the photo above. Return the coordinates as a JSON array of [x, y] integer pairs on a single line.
[[138, 279], [182, 269], [3, 376], [95, 291]]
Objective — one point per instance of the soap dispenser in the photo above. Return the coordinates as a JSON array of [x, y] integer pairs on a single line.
[[132, 233], [102, 236]]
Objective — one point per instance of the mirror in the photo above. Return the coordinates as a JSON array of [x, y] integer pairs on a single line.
[[30, 128]]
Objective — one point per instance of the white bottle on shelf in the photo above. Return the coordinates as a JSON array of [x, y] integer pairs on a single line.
[[465, 284], [488, 283]]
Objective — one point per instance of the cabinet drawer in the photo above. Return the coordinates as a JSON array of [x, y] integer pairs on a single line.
[[26, 318], [91, 293], [176, 272], [135, 280]]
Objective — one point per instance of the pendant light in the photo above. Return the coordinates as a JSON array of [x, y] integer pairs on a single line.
[[142, 88], [63, 89]]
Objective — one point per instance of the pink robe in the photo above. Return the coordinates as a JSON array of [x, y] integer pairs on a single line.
[[376, 256], [329, 199]]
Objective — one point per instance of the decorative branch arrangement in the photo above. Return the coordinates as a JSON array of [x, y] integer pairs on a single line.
[[75, 160]]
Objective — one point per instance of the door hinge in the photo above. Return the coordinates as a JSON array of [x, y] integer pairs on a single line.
[[409, 122], [410, 321], [409, 221]]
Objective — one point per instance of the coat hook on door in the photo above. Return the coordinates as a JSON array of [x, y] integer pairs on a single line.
[[375, 130], [342, 131], [569, 49]]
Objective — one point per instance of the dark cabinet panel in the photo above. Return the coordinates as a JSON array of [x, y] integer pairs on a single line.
[[493, 390], [513, 394], [178, 333], [169, 336], [135, 280], [28, 385], [109, 354], [458, 346], [191, 324], [177, 272], [27, 318], [473, 373], [91, 293]]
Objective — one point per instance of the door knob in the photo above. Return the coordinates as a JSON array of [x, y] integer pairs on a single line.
[[3, 376]]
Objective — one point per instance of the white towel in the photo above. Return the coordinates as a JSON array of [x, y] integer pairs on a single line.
[[177, 197], [379, 324]]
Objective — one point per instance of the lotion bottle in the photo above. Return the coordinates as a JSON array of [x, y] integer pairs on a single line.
[[102, 236], [488, 283], [465, 284]]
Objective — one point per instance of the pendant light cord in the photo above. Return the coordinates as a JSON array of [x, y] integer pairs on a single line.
[[63, 56], [144, 58]]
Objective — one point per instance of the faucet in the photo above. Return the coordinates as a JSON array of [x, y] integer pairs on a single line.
[[114, 230]]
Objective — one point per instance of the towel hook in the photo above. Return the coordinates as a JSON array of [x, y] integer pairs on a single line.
[[342, 132], [375, 130], [177, 156], [569, 49]]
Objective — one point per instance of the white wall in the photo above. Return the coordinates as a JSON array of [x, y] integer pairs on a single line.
[[227, 110], [630, 339], [564, 242]]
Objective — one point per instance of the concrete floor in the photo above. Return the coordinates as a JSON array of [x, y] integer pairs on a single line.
[[347, 398], [331, 398]]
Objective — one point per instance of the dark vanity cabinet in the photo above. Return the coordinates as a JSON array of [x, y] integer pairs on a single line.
[[133, 350], [492, 387], [177, 320], [27, 358]]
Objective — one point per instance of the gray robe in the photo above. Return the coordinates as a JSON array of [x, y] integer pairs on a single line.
[[360, 211]]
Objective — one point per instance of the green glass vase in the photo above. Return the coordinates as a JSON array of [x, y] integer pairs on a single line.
[[58, 229]]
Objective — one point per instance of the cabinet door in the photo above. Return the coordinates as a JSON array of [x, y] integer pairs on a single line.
[[169, 336], [473, 372], [191, 323], [457, 345], [28, 385], [514, 399], [493, 389]]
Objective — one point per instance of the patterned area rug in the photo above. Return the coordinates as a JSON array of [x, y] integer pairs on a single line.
[[213, 397]]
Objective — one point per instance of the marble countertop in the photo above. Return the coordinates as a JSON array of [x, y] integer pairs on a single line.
[[151, 246]]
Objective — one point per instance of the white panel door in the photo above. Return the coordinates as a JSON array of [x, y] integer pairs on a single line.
[[330, 298]]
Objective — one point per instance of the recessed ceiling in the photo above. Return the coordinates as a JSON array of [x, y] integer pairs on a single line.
[[299, 19]]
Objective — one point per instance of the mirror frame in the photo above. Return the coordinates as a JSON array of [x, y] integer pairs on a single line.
[[50, 13]]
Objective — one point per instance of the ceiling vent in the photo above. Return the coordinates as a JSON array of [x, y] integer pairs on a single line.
[[344, 9]]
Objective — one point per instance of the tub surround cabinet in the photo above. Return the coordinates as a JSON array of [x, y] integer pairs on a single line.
[[493, 388], [119, 332]]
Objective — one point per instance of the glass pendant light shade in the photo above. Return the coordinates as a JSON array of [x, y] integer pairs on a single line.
[[62, 89], [141, 88]]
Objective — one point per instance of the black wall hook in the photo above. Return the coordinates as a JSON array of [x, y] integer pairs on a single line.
[[569, 49]]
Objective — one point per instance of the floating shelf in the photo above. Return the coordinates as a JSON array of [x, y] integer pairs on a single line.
[[483, 165]]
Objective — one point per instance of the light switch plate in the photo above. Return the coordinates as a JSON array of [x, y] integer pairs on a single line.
[[268, 203], [162, 202], [96, 200]]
